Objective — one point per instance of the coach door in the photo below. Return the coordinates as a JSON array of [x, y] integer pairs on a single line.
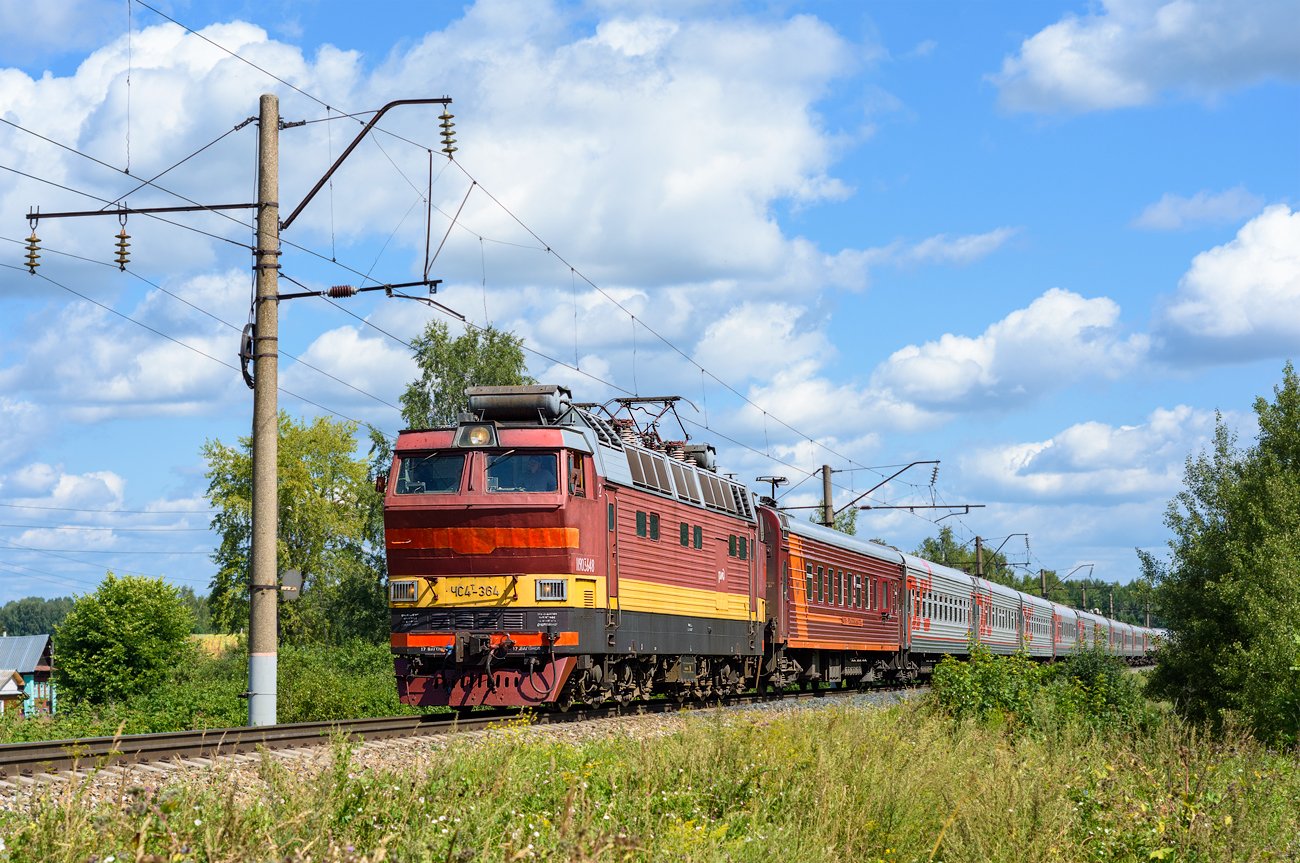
[[720, 554]]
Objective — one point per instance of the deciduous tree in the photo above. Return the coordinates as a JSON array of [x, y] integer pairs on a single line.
[[478, 358], [1230, 589], [325, 496], [120, 640]]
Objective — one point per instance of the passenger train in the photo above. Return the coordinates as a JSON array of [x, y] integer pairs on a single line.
[[543, 552]]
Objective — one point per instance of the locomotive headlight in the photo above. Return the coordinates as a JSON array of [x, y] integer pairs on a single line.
[[403, 591], [476, 435]]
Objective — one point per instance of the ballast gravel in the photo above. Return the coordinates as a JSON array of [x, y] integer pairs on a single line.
[[120, 784]]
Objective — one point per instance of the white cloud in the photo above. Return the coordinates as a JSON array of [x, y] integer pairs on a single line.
[[1132, 51], [938, 249], [22, 423], [754, 340], [1093, 460], [50, 485], [352, 363], [95, 365], [1174, 212], [1239, 300], [1059, 338], [800, 390]]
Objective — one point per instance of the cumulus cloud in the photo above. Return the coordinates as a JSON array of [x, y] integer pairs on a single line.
[[1238, 300], [95, 365], [1174, 212], [1094, 460], [353, 370], [1132, 51], [1059, 338], [50, 485], [757, 339]]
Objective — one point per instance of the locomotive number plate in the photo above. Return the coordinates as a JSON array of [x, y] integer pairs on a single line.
[[490, 589], [475, 591]]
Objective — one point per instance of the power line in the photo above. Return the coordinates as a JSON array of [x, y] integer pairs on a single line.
[[102, 551], [111, 511], [214, 317], [153, 216], [189, 347], [530, 231], [57, 553], [103, 527]]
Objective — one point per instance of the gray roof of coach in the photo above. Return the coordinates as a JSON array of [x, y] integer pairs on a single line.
[[821, 533]]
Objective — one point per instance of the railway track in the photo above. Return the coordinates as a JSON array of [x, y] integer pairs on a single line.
[[70, 757]]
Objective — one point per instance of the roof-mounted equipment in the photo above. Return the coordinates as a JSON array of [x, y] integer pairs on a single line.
[[544, 403]]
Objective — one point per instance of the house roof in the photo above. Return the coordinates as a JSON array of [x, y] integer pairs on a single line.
[[11, 683], [22, 652]]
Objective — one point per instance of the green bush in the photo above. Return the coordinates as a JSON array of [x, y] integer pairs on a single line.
[[121, 640], [1091, 686], [987, 686], [355, 680], [1100, 689]]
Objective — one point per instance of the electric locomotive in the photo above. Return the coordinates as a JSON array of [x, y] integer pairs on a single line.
[[545, 552], [540, 552]]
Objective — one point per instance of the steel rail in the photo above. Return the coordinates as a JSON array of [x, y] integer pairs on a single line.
[[55, 756]]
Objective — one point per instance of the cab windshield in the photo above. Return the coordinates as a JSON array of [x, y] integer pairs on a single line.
[[435, 473], [522, 471]]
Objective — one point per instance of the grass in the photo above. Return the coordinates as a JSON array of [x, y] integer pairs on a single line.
[[908, 783]]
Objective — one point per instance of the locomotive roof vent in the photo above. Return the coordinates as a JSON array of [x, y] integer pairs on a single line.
[[544, 403], [704, 455]]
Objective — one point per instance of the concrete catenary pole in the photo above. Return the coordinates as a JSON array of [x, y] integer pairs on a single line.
[[264, 581], [828, 506], [979, 556], [1042, 575]]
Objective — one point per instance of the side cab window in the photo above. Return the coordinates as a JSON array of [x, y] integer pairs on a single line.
[[577, 475]]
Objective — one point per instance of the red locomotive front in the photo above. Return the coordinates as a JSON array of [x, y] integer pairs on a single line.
[[495, 555], [538, 553]]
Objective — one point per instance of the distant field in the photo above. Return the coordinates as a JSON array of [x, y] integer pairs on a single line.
[[217, 644]]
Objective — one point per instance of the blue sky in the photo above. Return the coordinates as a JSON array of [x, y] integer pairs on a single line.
[[1041, 242]]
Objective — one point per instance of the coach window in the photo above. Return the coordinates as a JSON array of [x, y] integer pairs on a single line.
[[821, 584], [838, 582], [809, 592], [654, 526], [699, 536], [640, 523], [610, 515], [685, 535], [742, 548]]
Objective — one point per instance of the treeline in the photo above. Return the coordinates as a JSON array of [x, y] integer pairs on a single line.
[[38, 615]]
